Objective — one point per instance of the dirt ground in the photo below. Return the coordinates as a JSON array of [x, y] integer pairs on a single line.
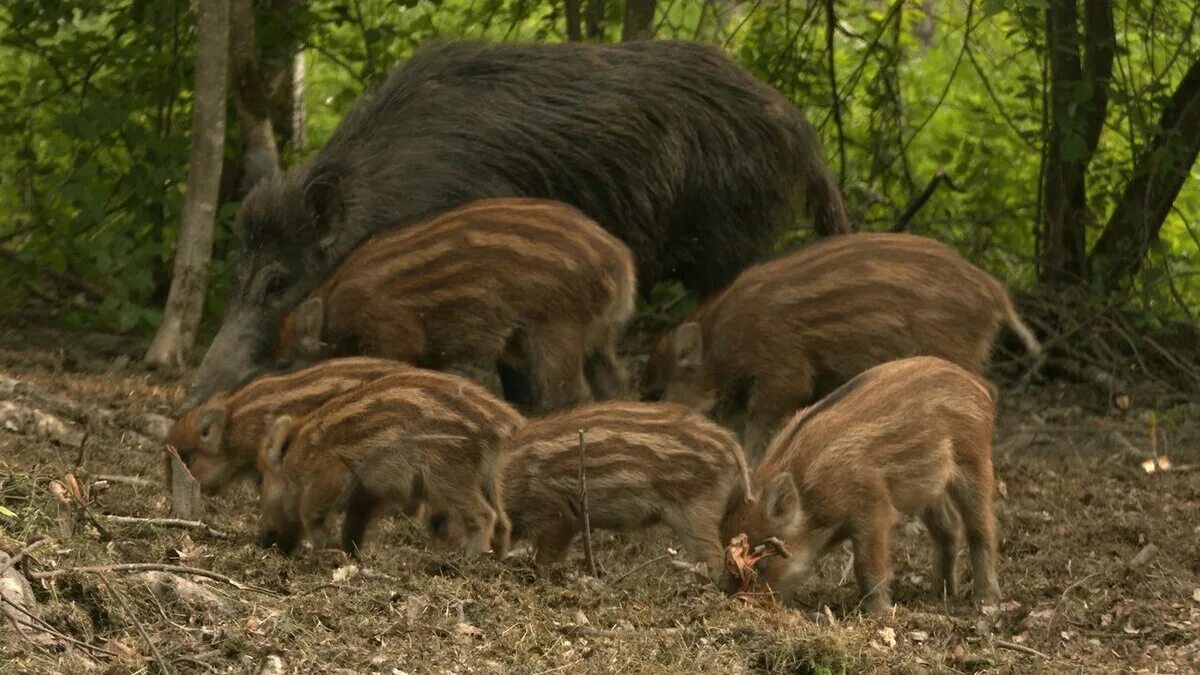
[[1100, 564]]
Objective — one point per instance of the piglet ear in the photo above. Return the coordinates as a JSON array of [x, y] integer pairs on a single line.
[[688, 345], [211, 427], [276, 441], [781, 498], [310, 321]]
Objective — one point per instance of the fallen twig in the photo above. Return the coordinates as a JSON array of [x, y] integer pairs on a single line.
[[162, 663], [1021, 648], [129, 480], [583, 502], [151, 567], [669, 554], [592, 631], [170, 522], [16, 558]]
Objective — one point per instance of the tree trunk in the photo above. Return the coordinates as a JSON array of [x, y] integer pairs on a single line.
[[281, 60], [260, 157], [595, 20], [1159, 171], [189, 283], [574, 28], [1078, 105], [639, 20]]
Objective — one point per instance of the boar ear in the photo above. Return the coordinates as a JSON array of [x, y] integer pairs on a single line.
[[781, 498], [211, 427], [688, 344], [277, 439], [325, 202]]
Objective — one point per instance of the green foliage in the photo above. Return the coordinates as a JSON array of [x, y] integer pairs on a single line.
[[95, 104]]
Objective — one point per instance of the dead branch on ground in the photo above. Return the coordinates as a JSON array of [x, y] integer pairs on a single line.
[[151, 567], [170, 522]]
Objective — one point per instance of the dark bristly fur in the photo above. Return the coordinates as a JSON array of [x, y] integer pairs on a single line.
[[529, 283], [220, 439], [669, 145], [645, 463], [410, 438], [793, 329], [912, 436]]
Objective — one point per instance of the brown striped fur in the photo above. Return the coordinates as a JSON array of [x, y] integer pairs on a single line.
[[912, 436], [219, 440], [791, 330], [645, 462], [531, 282], [415, 436]]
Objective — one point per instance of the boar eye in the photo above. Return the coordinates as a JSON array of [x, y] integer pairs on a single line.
[[276, 284]]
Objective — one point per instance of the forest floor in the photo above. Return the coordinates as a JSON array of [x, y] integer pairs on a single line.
[[1099, 563]]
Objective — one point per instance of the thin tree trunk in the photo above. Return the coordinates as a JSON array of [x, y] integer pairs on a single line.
[[574, 27], [299, 127], [595, 20], [281, 61], [639, 20], [189, 283], [260, 157], [1159, 171], [1074, 131]]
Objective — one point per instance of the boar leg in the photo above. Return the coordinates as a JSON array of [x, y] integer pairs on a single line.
[[872, 558], [359, 513], [553, 539], [764, 414], [942, 523], [556, 363], [973, 497], [699, 527]]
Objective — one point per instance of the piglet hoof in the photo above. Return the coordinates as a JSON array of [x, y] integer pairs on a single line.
[[877, 605], [987, 596]]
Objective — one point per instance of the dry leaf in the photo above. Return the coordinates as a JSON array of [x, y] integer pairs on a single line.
[[918, 635], [1161, 463], [466, 630], [888, 635], [1002, 488], [1196, 594], [1128, 628], [740, 560], [252, 625], [59, 490], [344, 573]]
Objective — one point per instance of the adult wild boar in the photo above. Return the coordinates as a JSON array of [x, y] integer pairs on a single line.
[[912, 436], [529, 283], [793, 329], [671, 146]]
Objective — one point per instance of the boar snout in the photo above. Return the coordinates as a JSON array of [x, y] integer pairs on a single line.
[[236, 355]]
